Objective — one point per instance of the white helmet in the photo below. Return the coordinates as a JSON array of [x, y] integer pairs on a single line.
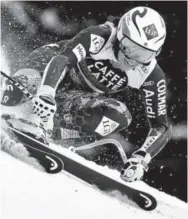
[[141, 33]]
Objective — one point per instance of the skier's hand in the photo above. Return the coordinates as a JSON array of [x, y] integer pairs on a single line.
[[135, 166], [44, 105]]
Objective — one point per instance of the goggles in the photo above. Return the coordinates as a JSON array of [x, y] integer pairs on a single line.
[[133, 51]]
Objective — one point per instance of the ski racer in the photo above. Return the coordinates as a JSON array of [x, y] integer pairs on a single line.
[[72, 81]]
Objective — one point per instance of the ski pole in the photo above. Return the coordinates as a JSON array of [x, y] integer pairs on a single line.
[[101, 142]]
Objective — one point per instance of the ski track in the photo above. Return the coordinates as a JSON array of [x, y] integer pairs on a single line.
[[27, 193]]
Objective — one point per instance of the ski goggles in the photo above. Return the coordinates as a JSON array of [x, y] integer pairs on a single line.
[[136, 53]]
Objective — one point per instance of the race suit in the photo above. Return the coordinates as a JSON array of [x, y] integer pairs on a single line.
[[86, 71]]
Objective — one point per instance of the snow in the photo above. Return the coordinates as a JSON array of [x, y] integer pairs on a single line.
[[4, 62], [31, 194]]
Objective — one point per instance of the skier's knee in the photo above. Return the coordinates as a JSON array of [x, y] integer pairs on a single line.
[[101, 121], [112, 120]]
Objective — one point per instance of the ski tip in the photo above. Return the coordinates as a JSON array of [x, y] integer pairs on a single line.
[[147, 201]]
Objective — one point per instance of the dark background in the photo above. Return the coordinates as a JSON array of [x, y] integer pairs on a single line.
[[28, 25]]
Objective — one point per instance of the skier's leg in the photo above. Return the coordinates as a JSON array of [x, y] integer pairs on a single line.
[[89, 115], [84, 117]]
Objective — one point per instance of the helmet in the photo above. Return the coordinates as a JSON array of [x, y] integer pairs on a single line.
[[141, 33]]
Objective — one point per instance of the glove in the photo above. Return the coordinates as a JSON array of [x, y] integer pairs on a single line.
[[135, 166], [44, 104]]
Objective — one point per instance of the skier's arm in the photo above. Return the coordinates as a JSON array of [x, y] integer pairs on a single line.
[[44, 104], [72, 52], [154, 94], [88, 42]]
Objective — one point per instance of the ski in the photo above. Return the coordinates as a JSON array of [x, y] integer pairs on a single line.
[[54, 161], [44, 156]]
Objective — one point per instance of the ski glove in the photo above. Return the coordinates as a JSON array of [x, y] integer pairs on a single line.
[[44, 104], [135, 166]]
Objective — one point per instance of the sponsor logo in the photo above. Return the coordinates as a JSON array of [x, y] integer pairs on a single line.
[[144, 69], [54, 164], [150, 31], [112, 79], [141, 15], [148, 83], [79, 52], [161, 95], [149, 141], [7, 87], [96, 43], [148, 202], [10, 94], [161, 88], [148, 100], [106, 126], [5, 99]]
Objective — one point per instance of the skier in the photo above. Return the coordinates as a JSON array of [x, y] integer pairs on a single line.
[[72, 82]]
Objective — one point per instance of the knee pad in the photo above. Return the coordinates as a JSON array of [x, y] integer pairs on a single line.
[[12, 95], [100, 120]]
